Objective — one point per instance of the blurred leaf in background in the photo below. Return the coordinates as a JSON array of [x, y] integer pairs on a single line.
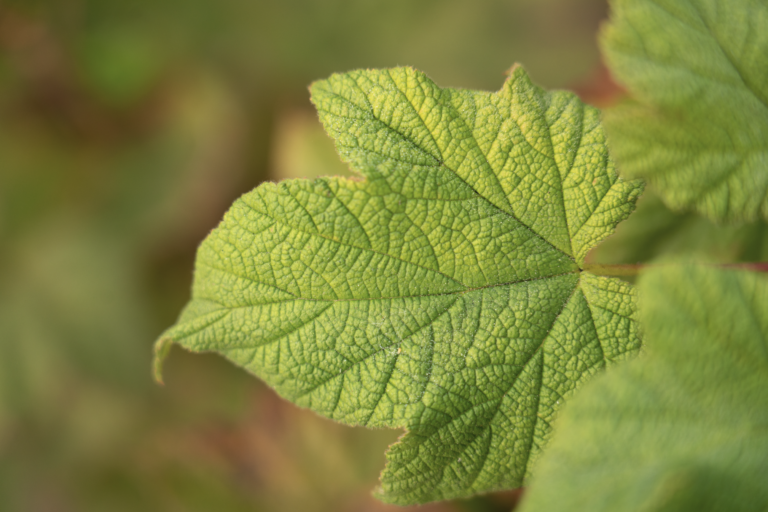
[[302, 149], [126, 130]]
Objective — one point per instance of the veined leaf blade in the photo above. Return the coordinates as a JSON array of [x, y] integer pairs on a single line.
[[443, 293]]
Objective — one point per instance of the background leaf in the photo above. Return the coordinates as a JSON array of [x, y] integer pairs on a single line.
[[696, 129], [443, 293], [683, 426]]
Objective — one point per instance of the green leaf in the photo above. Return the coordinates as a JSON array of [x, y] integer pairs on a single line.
[[443, 293], [698, 128], [682, 427]]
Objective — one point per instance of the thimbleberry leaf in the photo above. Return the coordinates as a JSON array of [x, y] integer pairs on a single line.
[[444, 292]]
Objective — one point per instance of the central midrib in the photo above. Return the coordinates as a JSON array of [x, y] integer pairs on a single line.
[[278, 220], [364, 299]]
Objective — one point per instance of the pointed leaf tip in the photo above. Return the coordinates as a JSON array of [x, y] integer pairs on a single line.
[[161, 350]]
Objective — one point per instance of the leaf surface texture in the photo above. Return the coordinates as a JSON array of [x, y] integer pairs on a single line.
[[442, 293]]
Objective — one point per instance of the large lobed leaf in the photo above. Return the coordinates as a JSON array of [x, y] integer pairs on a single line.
[[443, 293], [683, 427], [698, 128]]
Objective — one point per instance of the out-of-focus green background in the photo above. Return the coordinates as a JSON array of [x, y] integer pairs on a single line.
[[126, 130]]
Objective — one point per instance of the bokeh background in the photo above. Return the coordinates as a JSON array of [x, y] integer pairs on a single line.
[[126, 130]]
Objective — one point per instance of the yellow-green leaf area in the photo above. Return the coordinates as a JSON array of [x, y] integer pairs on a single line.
[[444, 291], [697, 128], [682, 427]]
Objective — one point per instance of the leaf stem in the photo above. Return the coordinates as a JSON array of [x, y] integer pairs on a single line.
[[634, 269]]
